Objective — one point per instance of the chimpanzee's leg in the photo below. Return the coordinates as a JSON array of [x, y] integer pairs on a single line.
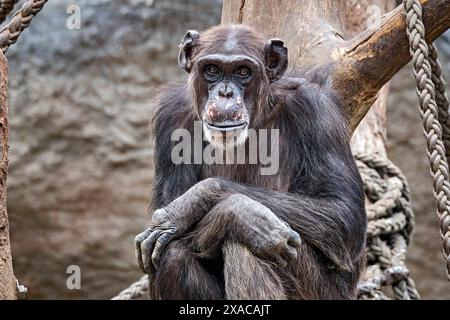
[[248, 277], [219, 233], [182, 276]]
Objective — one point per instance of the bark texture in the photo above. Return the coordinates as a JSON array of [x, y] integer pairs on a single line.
[[7, 280]]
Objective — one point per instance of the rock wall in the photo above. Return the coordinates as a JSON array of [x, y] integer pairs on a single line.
[[80, 153]]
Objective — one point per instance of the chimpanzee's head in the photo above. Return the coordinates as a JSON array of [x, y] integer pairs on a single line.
[[230, 70]]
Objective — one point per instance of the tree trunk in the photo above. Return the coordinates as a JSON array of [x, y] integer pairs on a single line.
[[7, 280], [319, 32]]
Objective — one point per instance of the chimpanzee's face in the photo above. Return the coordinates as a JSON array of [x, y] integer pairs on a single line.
[[225, 114], [231, 68]]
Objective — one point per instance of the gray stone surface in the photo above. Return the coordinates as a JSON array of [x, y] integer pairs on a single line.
[[80, 153]]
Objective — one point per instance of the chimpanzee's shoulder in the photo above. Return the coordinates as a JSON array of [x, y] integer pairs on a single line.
[[171, 106], [172, 95], [305, 101], [312, 92], [296, 89], [295, 84]]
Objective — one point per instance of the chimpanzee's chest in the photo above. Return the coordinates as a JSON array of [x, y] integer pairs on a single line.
[[253, 168]]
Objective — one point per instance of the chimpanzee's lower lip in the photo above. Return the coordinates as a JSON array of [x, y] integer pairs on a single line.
[[230, 127]]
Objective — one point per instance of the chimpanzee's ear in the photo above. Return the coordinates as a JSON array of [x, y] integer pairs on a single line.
[[186, 45], [276, 58]]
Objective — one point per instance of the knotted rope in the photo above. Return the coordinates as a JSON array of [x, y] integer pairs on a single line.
[[19, 22], [390, 223], [135, 291], [434, 111], [5, 8]]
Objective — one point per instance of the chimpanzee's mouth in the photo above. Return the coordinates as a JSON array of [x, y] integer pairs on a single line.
[[226, 126]]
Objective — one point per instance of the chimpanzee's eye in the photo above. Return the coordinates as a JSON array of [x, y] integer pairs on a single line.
[[243, 72], [212, 70]]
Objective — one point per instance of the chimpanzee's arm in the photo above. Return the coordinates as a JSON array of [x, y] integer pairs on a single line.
[[335, 227], [171, 112]]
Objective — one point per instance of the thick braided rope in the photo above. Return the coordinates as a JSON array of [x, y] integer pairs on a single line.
[[435, 117], [390, 223], [5, 8], [441, 97], [19, 22], [135, 291]]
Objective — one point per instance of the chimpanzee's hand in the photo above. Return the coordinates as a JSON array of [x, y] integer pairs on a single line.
[[173, 221], [268, 237], [260, 230], [150, 244]]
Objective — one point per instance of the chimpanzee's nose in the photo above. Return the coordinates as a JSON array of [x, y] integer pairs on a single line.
[[225, 92]]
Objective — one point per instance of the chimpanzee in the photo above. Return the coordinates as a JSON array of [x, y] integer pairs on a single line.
[[227, 231]]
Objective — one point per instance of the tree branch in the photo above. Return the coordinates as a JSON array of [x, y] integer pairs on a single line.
[[368, 61]]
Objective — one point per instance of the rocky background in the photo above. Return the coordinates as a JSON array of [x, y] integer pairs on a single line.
[[80, 152]]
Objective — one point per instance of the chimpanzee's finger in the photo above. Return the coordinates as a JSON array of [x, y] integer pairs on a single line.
[[137, 246], [147, 248], [295, 240], [290, 253], [161, 243]]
